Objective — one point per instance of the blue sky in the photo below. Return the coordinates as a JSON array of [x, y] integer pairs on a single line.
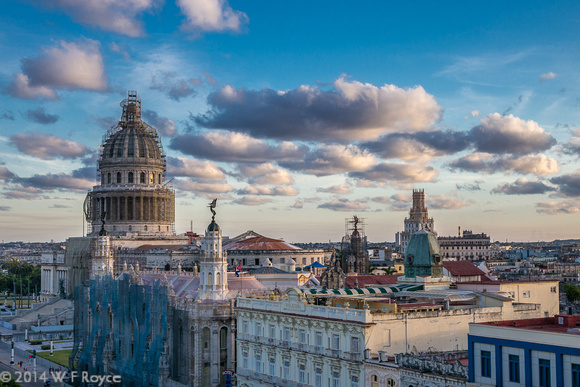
[[299, 114]]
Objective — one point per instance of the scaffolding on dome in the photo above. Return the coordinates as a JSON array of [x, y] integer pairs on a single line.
[[355, 258]]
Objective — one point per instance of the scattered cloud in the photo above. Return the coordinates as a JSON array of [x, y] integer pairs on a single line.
[[7, 115], [40, 116], [572, 147], [194, 186], [175, 88], [444, 202], [121, 17], [224, 146], [398, 173], [164, 125], [24, 193], [558, 208], [539, 165], [469, 186], [210, 16], [5, 208], [344, 205], [252, 200], [276, 191], [265, 173], [56, 205], [475, 113], [547, 76], [20, 88], [48, 146], [298, 204], [500, 134], [568, 184], [350, 111], [179, 166], [401, 202], [381, 199], [341, 189], [522, 186], [69, 66], [332, 159], [420, 146], [120, 49], [6, 174], [52, 181]]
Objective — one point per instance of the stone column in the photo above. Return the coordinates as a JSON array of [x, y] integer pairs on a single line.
[[215, 354]]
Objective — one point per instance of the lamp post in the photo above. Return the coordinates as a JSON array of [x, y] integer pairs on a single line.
[[12, 352]]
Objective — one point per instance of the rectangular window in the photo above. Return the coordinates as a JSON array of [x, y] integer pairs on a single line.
[[354, 344], [354, 381], [286, 334], [272, 331], [257, 262], [245, 327], [272, 367], [319, 339], [335, 379], [486, 364], [302, 374], [245, 361], [545, 380], [258, 364], [318, 377], [336, 342], [258, 331], [302, 336], [514, 368], [575, 375], [287, 369]]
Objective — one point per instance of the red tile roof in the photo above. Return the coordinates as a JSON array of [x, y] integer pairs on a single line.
[[366, 280], [260, 243], [462, 268]]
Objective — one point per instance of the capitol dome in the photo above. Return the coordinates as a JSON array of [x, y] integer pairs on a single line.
[[132, 197]]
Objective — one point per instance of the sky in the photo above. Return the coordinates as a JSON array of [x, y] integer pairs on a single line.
[[297, 114]]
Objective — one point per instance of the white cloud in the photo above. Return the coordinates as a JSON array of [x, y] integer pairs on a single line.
[[333, 159], [344, 205], [475, 113], [547, 76], [20, 88], [444, 202], [341, 189], [67, 66], [398, 174], [265, 173], [211, 16], [252, 200], [276, 191], [558, 208], [194, 186], [180, 166], [47, 146], [109, 15], [536, 164]]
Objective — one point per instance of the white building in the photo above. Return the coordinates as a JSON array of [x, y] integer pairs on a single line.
[[469, 246]]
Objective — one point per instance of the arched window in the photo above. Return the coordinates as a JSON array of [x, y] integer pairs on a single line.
[[217, 279], [118, 177], [109, 178], [145, 227], [210, 279], [130, 177], [142, 178], [224, 338]]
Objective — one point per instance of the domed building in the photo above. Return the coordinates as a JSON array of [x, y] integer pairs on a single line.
[[131, 198]]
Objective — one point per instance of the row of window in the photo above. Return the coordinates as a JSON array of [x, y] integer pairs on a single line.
[[514, 364], [154, 178], [334, 339], [303, 376]]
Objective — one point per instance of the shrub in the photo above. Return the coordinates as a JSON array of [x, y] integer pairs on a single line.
[[45, 346], [35, 342]]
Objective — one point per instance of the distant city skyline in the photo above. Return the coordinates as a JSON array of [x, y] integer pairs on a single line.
[[297, 115]]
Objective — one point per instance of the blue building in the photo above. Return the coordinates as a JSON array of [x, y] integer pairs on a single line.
[[543, 352]]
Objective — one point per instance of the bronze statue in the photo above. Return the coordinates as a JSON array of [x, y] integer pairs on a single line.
[[211, 208]]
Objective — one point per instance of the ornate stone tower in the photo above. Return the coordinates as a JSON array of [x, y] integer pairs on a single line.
[[213, 266], [102, 255], [355, 258], [131, 192], [418, 220]]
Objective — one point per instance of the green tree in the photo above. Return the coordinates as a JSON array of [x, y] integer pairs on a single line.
[[572, 292]]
